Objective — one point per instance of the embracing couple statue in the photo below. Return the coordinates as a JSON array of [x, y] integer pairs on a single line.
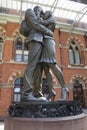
[[38, 28]]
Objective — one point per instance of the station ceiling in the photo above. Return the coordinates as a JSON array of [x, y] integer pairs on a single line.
[[73, 12]]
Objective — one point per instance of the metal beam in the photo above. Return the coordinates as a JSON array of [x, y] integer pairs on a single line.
[[21, 11], [55, 5]]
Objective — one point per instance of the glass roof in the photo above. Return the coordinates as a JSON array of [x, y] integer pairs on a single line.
[[66, 11]]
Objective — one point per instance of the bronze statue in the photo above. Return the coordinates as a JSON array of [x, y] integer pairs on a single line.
[[41, 56], [34, 42]]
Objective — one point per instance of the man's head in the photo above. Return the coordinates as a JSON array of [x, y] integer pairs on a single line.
[[38, 11]]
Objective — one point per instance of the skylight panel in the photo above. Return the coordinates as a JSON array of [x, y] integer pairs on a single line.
[[48, 2], [84, 9], [47, 8], [8, 3], [65, 14], [60, 14], [79, 7], [61, 3], [69, 5], [16, 5], [66, 5], [24, 6], [84, 19], [3, 3]]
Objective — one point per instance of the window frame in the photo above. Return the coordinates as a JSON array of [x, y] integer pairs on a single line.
[[23, 51], [73, 44]]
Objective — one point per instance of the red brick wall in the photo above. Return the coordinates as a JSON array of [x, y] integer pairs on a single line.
[[8, 69], [5, 100], [11, 28], [7, 52]]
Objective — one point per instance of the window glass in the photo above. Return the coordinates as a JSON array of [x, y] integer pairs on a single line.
[[0, 51], [1, 42], [19, 44], [18, 84], [77, 56], [17, 97], [19, 81], [17, 90], [26, 58], [71, 56], [18, 57], [25, 47]]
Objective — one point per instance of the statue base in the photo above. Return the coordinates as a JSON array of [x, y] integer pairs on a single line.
[[78, 122], [43, 109]]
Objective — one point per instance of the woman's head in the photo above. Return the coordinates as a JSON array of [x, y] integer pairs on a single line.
[[47, 14]]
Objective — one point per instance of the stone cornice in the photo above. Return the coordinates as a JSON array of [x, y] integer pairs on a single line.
[[64, 27], [4, 18]]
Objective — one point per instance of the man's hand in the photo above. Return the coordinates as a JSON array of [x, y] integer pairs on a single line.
[[49, 33]]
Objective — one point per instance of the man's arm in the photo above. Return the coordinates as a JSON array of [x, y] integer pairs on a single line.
[[31, 18]]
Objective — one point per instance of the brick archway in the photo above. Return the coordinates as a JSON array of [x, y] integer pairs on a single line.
[[77, 41], [79, 83], [80, 78], [16, 34], [2, 32], [14, 76]]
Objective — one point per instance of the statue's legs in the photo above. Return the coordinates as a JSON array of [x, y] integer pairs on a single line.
[[38, 77], [49, 81], [58, 73], [35, 49], [37, 90]]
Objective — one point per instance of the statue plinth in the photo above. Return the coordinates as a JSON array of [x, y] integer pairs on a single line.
[[78, 122]]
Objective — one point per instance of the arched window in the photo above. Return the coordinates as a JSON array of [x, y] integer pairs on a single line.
[[18, 57], [18, 84], [74, 53], [19, 43], [71, 55], [77, 56], [78, 93], [21, 54], [1, 45]]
